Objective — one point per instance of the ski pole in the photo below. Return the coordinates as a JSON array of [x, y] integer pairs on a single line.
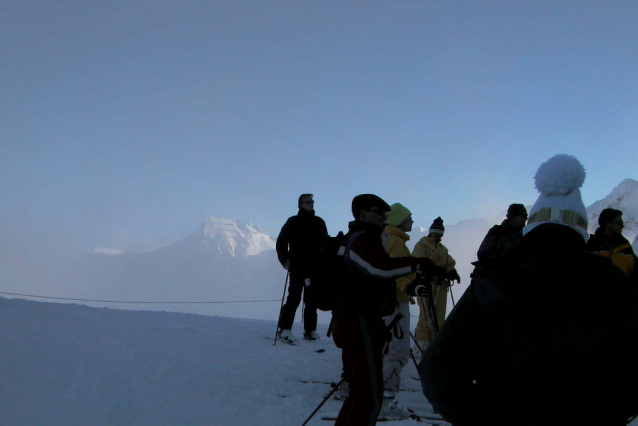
[[452, 294], [326, 398], [427, 315], [281, 307], [432, 305], [416, 343], [414, 360]]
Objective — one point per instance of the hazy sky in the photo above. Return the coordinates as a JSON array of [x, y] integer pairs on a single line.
[[125, 123]]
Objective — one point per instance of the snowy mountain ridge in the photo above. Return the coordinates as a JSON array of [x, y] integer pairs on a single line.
[[228, 260], [234, 238], [623, 197], [223, 238]]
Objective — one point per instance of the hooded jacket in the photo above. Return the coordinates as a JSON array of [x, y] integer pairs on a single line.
[[395, 246], [437, 252], [533, 341]]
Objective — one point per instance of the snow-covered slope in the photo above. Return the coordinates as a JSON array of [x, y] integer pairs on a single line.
[[70, 365]]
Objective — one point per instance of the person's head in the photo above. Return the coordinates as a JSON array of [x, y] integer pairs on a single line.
[[517, 216], [400, 217], [370, 208], [306, 202], [610, 222], [559, 180], [436, 229]]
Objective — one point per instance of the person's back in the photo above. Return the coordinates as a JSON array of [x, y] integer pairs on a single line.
[[534, 341], [546, 346], [501, 238]]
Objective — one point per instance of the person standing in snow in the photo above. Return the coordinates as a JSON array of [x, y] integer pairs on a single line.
[[297, 236], [501, 238], [358, 327], [608, 241], [399, 223], [432, 248], [533, 341]]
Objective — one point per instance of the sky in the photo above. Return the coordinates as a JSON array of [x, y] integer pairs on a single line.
[[123, 124]]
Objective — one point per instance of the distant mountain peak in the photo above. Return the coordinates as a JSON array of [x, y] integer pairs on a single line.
[[227, 238]]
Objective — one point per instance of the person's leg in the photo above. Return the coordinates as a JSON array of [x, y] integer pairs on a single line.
[[363, 362], [399, 349], [422, 333], [309, 313], [440, 303], [295, 288]]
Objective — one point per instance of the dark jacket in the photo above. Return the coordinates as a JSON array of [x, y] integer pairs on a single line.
[[373, 271], [298, 234], [498, 241], [617, 248], [534, 341]]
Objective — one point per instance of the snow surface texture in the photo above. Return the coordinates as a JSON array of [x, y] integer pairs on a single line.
[[71, 365], [68, 365]]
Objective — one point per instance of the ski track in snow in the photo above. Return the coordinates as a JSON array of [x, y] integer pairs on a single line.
[[66, 365]]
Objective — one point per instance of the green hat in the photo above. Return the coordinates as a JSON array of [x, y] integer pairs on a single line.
[[397, 214]]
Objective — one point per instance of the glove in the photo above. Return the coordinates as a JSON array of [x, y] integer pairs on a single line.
[[286, 264], [431, 270], [421, 290], [419, 287], [453, 276]]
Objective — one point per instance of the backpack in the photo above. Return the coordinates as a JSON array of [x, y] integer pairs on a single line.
[[326, 273]]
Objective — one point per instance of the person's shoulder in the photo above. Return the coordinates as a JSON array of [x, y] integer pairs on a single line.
[[622, 241], [292, 219], [423, 240], [498, 229], [394, 240], [592, 241], [319, 219], [594, 264]]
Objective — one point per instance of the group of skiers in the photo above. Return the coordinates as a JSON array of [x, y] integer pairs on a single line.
[[546, 333]]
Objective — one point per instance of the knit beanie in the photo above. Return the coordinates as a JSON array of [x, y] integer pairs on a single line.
[[559, 180], [397, 214], [516, 210], [437, 226]]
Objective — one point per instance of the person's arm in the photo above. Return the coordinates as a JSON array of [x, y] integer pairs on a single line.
[[396, 248], [371, 258], [489, 247], [282, 244], [324, 228]]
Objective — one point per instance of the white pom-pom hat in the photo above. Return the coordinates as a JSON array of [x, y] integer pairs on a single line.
[[559, 180]]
